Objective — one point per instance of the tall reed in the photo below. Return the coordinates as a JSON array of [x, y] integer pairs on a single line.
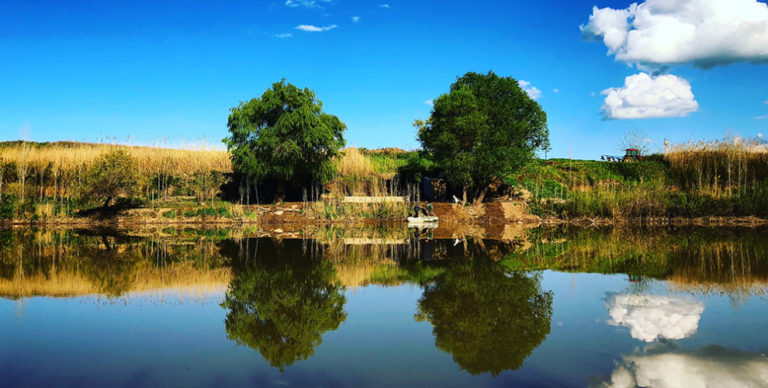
[[722, 165]]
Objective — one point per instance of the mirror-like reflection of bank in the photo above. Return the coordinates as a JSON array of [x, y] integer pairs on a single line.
[[282, 293], [287, 293], [733, 262], [69, 263]]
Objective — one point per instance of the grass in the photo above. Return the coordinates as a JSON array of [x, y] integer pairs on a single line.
[[369, 173], [53, 173], [726, 178], [335, 210], [729, 177]]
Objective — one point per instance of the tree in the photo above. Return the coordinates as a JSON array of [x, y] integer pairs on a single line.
[[637, 140], [112, 174], [489, 319], [484, 129], [284, 135], [282, 304]]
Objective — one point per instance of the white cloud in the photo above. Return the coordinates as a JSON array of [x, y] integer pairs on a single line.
[[311, 28], [650, 317], [660, 33], [763, 117], [355, 19], [556, 90], [532, 91], [710, 368], [284, 35], [646, 96], [307, 3], [384, 6], [430, 102]]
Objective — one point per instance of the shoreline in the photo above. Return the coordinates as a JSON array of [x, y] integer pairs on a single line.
[[275, 217]]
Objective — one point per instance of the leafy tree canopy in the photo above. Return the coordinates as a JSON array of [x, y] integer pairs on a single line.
[[485, 128], [285, 135], [488, 319], [112, 174], [282, 308]]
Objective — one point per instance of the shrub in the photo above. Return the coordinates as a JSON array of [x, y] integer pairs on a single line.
[[112, 174]]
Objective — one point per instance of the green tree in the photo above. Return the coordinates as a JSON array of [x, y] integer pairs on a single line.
[[284, 135], [485, 128], [489, 319], [111, 175], [281, 306]]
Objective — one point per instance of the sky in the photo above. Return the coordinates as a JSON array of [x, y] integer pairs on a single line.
[[167, 72]]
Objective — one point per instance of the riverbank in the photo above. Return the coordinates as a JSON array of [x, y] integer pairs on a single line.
[[295, 216]]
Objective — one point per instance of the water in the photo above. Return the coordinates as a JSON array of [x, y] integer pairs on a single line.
[[380, 308]]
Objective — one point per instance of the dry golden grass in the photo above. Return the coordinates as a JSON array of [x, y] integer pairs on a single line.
[[359, 175], [57, 169], [352, 162], [66, 157], [724, 164]]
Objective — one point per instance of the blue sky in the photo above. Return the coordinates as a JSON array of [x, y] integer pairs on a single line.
[[149, 71]]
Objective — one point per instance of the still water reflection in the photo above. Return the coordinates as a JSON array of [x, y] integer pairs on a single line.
[[381, 308]]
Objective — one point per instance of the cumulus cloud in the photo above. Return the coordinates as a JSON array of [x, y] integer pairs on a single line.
[[661, 33], [355, 19], [311, 28], [651, 317], [646, 96], [307, 3], [532, 91], [430, 102], [714, 367]]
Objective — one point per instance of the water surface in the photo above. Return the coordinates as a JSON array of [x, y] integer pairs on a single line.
[[382, 308]]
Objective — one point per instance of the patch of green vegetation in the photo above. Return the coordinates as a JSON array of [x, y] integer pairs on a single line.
[[169, 214]]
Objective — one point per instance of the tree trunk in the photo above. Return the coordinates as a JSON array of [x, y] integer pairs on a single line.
[[280, 192], [23, 181], [106, 203], [480, 196]]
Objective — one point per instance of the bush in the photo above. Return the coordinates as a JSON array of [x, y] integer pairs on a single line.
[[169, 214], [112, 174], [8, 206]]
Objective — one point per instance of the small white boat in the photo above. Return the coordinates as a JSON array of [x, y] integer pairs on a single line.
[[422, 220]]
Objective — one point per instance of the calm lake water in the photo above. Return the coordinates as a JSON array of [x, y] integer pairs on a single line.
[[577, 308]]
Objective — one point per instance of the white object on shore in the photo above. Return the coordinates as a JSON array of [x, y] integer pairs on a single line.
[[422, 220]]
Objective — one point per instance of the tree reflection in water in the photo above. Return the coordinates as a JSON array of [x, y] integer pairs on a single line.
[[282, 304], [489, 319]]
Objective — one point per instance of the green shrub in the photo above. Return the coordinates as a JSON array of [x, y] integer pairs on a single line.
[[169, 214], [8, 206]]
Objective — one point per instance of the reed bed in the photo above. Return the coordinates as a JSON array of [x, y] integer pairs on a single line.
[[722, 165], [361, 172], [55, 173]]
